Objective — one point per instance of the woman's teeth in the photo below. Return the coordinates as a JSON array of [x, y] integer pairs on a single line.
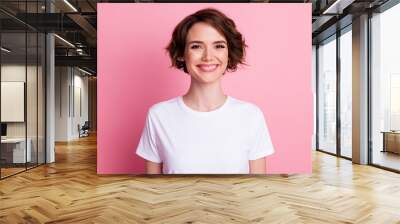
[[207, 68]]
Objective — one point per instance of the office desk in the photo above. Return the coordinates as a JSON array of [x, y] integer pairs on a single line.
[[391, 141], [13, 150]]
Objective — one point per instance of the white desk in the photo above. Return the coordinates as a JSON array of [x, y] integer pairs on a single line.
[[18, 149]]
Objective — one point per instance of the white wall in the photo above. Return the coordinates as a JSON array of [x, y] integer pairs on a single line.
[[17, 73], [14, 73], [62, 78], [80, 83], [70, 83]]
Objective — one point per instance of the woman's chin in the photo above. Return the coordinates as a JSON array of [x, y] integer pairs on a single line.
[[207, 79]]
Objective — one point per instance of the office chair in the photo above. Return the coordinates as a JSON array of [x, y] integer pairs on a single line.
[[84, 130]]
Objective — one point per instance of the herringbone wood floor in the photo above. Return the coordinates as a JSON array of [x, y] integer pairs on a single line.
[[70, 191]]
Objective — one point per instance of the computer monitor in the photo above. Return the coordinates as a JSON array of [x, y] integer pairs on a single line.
[[3, 129]]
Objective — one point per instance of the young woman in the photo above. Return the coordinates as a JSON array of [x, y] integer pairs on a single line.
[[205, 131]]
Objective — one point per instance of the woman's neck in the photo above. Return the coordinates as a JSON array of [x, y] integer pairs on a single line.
[[204, 97]]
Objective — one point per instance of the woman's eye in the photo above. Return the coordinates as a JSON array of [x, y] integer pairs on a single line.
[[194, 46], [220, 46]]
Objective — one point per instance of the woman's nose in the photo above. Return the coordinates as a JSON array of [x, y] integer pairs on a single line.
[[207, 54]]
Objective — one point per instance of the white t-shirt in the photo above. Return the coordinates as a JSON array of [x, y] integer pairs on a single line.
[[221, 141]]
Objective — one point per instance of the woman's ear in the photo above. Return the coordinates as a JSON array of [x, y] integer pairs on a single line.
[[180, 59]]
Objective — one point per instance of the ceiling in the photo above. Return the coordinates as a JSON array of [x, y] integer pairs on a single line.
[[76, 22]]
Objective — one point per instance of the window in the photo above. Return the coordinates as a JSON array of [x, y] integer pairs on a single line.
[[327, 95], [385, 88], [346, 92]]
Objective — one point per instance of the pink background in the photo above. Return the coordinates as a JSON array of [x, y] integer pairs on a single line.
[[134, 73]]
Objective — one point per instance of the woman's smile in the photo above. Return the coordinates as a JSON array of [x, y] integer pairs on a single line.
[[207, 67]]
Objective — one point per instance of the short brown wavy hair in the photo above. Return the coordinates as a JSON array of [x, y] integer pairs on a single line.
[[218, 20]]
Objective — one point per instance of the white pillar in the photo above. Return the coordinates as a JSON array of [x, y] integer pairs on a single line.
[[360, 90], [50, 91]]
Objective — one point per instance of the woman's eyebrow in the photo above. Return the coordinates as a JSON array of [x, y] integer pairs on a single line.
[[201, 42], [220, 42], [195, 42]]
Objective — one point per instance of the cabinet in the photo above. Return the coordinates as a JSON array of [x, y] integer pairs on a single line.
[[391, 141]]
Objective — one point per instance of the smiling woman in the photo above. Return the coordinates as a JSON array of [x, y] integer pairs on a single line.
[[206, 54], [205, 131]]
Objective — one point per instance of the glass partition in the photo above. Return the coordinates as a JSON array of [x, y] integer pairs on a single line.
[[13, 110], [22, 88], [346, 93], [385, 89], [327, 95]]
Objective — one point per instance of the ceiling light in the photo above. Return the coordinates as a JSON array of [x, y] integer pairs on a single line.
[[5, 50], [64, 40], [86, 72], [337, 7], [70, 5]]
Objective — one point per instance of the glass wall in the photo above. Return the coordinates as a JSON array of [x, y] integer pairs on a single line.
[[346, 92], [384, 95], [385, 88], [327, 95], [13, 89], [22, 89], [330, 68]]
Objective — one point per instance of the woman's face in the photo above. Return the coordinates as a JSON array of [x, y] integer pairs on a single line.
[[206, 53]]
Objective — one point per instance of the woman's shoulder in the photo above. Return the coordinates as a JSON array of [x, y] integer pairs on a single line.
[[246, 106], [165, 105], [247, 111]]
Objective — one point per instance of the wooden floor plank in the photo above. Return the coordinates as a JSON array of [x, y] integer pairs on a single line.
[[70, 191]]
